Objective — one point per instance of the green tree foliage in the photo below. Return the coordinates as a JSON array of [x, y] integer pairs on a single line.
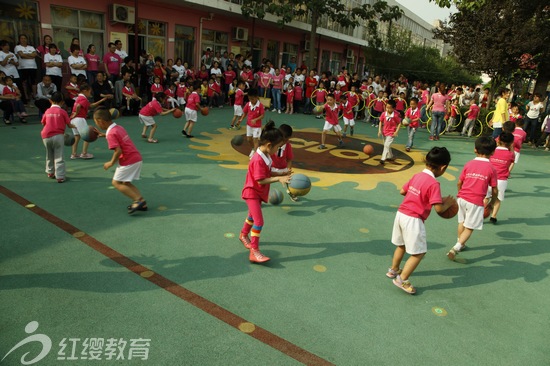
[[336, 10]]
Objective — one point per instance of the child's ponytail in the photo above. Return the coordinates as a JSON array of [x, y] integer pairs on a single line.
[[270, 134]]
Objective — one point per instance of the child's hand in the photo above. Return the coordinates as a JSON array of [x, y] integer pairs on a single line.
[[285, 179], [107, 165], [379, 133]]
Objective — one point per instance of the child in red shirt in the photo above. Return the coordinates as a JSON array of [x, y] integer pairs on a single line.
[[331, 121], [72, 91], [282, 159], [191, 108], [290, 99], [238, 106], [347, 113], [503, 162], [471, 116], [147, 113], [390, 123], [255, 111], [412, 121]]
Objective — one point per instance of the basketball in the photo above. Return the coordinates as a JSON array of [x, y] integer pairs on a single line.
[[318, 110], [69, 140], [299, 185], [204, 111], [487, 212], [90, 135], [177, 113], [406, 121], [450, 212], [114, 113], [275, 197], [368, 149], [237, 140]]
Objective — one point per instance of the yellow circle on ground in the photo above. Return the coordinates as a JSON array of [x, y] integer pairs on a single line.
[[110, 187], [147, 274], [324, 189], [229, 235], [364, 230], [439, 311], [286, 208], [30, 205], [79, 234], [247, 327], [162, 208], [173, 173], [224, 188], [319, 268], [394, 206]]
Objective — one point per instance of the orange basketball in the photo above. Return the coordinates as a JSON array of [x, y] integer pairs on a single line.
[[450, 212], [368, 149], [487, 211], [204, 111], [177, 113]]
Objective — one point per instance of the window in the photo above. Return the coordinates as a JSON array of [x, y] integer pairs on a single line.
[[151, 37], [273, 52], [335, 63], [18, 18], [69, 23], [289, 51], [325, 61], [216, 41], [184, 43]]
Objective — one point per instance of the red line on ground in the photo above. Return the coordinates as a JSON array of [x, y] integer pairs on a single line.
[[192, 298]]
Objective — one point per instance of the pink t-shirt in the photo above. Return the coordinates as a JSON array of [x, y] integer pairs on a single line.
[[277, 81], [501, 161], [400, 104], [422, 192], [84, 104], [424, 97], [347, 110], [353, 99], [389, 123], [439, 102], [156, 88], [379, 105], [474, 111], [331, 114], [239, 97], [476, 177], [193, 101], [519, 138], [282, 156], [229, 76], [112, 62], [253, 112], [181, 91], [320, 96], [118, 137], [265, 78], [92, 61], [259, 168], [414, 116], [55, 119], [151, 109]]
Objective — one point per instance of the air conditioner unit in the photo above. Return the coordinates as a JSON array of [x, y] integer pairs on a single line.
[[123, 14], [305, 46], [240, 34], [349, 54]]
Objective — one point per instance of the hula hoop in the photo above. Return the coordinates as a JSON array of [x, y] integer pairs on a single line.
[[311, 97], [487, 119]]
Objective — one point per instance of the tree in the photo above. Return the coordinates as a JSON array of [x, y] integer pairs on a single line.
[[336, 10]]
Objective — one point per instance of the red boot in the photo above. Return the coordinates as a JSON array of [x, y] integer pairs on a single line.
[[257, 257]]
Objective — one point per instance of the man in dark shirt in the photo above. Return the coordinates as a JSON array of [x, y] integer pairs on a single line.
[[102, 89]]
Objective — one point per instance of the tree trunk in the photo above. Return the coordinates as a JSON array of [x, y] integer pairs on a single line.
[[312, 38], [542, 81]]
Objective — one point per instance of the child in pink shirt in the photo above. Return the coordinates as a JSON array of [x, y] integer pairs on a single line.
[[147, 113], [238, 105], [520, 136], [347, 113], [192, 106], [255, 112], [331, 121], [290, 99], [421, 193], [471, 117], [256, 188], [390, 123], [476, 177], [503, 162], [282, 159]]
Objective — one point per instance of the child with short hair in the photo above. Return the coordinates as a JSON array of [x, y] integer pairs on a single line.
[[129, 94], [238, 105], [353, 99], [18, 106], [55, 119], [147, 113], [320, 96], [181, 92], [503, 162], [157, 86], [73, 90], [126, 155], [331, 121], [421, 193], [347, 110], [256, 187], [519, 138], [378, 107], [298, 96], [290, 99], [400, 104], [254, 111], [282, 159], [455, 110], [191, 108], [476, 177], [471, 117], [412, 115], [390, 123]]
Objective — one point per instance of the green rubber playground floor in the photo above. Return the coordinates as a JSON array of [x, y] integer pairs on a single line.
[[173, 285]]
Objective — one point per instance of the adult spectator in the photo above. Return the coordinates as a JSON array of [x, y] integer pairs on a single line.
[[112, 63], [44, 91], [129, 66], [223, 61], [76, 42], [43, 50], [53, 63], [292, 64], [119, 51], [27, 68], [180, 68], [206, 58], [103, 89], [441, 103], [8, 61], [76, 62], [92, 59]]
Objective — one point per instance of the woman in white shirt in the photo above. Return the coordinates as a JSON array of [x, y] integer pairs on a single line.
[[27, 68], [532, 118], [8, 61], [179, 68], [53, 63], [77, 63]]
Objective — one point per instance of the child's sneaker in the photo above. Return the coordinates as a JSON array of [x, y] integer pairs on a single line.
[[257, 257], [86, 156], [245, 240], [340, 143], [61, 180], [75, 156], [392, 273], [51, 176], [322, 147], [344, 134], [404, 285], [351, 131]]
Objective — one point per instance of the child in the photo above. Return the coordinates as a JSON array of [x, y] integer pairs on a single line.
[[400, 104], [413, 116], [290, 99], [147, 113], [378, 107], [282, 159], [255, 112], [78, 119], [72, 91], [545, 129], [126, 155], [389, 126], [519, 138], [353, 99], [421, 193], [320, 97], [238, 106], [331, 121], [471, 117], [171, 101], [455, 110], [473, 183], [347, 108], [181, 92], [54, 120], [298, 96], [156, 87], [503, 162], [129, 94], [191, 108], [256, 186], [17, 104], [514, 113]]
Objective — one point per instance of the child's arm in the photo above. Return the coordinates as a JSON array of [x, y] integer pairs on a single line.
[[93, 105], [281, 178], [467, 112], [459, 185], [166, 111], [494, 198], [114, 158], [75, 112], [447, 202], [259, 118], [241, 119]]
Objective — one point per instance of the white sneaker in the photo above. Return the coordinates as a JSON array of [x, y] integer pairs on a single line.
[[274, 110], [279, 111]]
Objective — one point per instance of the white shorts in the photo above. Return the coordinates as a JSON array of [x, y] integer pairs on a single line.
[[516, 154], [190, 115], [501, 185], [470, 215], [255, 132], [238, 110], [80, 124], [410, 232], [127, 173], [181, 100], [329, 127], [146, 120], [350, 122]]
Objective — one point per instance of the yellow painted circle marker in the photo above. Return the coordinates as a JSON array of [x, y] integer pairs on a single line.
[[439, 311], [30, 205], [364, 230], [286, 208], [319, 268], [173, 173], [247, 327], [110, 187], [394, 206], [79, 234], [147, 274], [70, 170], [324, 189], [224, 188], [162, 208], [229, 235]]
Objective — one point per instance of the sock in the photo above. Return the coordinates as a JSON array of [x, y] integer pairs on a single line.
[[247, 225], [458, 247], [255, 237]]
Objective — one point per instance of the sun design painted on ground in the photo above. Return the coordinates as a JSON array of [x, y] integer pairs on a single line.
[[328, 167]]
